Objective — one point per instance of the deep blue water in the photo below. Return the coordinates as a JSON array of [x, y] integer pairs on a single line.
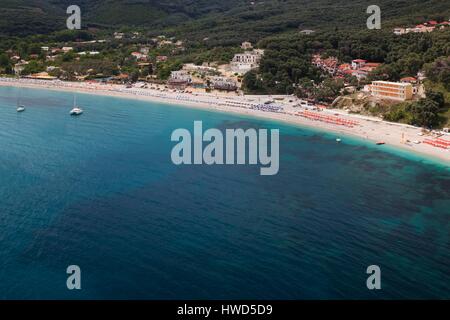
[[101, 192]]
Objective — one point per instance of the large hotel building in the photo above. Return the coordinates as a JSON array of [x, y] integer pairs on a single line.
[[392, 90]]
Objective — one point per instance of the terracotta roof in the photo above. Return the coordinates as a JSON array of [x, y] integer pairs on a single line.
[[373, 64], [122, 76], [344, 66], [408, 79]]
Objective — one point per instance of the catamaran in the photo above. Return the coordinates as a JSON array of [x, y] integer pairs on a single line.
[[20, 107], [76, 111]]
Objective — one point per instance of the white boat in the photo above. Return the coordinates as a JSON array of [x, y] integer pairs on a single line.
[[338, 140], [76, 111], [20, 107]]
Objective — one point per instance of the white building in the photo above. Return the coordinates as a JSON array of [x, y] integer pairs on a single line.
[[91, 53], [180, 75], [165, 43], [139, 56], [244, 62], [400, 31], [145, 50], [51, 68], [223, 83], [18, 67], [358, 63], [246, 45], [118, 35], [190, 67], [307, 32]]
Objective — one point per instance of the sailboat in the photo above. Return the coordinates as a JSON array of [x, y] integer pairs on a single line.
[[20, 107], [76, 111]]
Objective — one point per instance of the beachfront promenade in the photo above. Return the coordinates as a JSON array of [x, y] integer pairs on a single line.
[[161, 93], [282, 108]]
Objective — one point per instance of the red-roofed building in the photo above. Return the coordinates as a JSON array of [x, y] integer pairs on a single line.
[[358, 63], [408, 80], [161, 58], [329, 65], [365, 69], [139, 56], [349, 72], [428, 26], [359, 68], [421, 28], [361, 73], [373, 65], [344, 67]]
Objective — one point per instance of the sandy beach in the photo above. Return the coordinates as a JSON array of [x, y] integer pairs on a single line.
[[374, 130]]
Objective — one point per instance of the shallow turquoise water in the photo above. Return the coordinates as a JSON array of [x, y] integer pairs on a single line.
[[101, 192]]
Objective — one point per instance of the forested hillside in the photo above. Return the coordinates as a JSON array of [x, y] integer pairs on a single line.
[[221, 21], [25, 17], [265, 18]]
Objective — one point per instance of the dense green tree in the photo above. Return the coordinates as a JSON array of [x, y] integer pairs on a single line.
[[439, 71], [5, 64], [33, 67], [398, 113], [437, 97], [4, 60], [134, 76], [252, 83], [424, 113], [164, 69]]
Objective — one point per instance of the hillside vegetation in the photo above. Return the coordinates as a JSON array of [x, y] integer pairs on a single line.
[[222, 21]]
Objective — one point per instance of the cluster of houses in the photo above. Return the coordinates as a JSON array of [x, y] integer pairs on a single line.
[[428, 26], [329, 65], [406, 89], [141, 56], [208, 76], [211, 76], [160, 41], [51, 54], [203, 76], [358, 68], [21, 64], [122, 35]]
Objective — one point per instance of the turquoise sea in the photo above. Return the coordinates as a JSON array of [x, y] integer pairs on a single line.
[[100, 191]]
